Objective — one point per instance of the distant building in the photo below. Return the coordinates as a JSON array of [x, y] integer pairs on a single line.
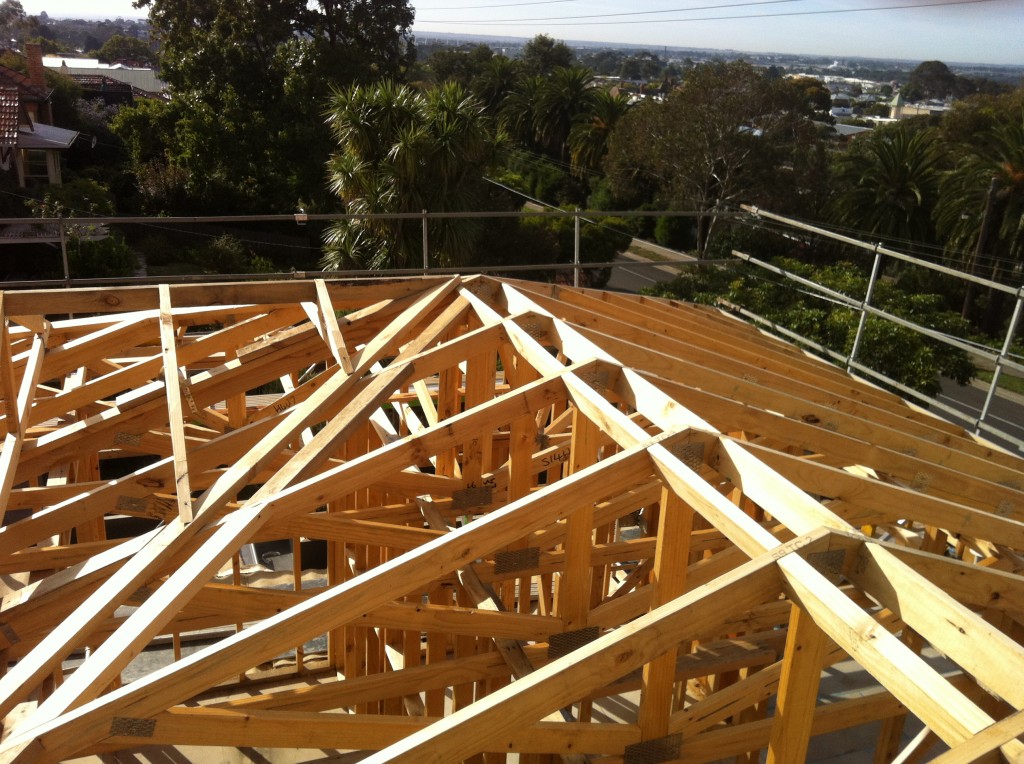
[[143, 80], [29, 143], [900, 108]]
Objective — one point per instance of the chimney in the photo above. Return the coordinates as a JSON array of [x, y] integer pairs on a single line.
[[36, 70]]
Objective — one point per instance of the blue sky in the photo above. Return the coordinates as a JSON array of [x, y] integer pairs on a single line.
[[981, 31]]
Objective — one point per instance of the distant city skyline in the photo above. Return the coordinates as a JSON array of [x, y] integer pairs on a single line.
[[954, 31]]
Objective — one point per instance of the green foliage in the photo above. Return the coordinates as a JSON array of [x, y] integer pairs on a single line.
[[641, 66], [250, 82], [930, 79], [104, 259], [718, 140], [565, 98], [12, 17], [542, 55], [540, 178], [462, 66], [900, 353], [601, 241], [495, 82], [674, 232], [404, 151], [227, 254], [889, 184], [119, 47], [80, 197], [592, 128]]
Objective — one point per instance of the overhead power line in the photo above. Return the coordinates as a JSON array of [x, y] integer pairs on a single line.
[[495, 5], [555, 21], [642, 13]]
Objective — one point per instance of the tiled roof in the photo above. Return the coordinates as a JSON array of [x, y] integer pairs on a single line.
[[8, 116], [101, 82], [14, 78]]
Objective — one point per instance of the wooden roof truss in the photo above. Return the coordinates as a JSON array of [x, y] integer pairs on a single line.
[[471, 451]]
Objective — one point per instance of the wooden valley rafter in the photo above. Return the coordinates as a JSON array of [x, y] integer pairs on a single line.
[[471, 457]]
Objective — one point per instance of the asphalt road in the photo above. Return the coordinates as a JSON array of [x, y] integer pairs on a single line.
[[1006, 412]]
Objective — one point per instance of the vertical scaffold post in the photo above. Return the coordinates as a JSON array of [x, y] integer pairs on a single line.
[[64, 252], [426, 249], [576, 252], [875, 268], [1007, 343]]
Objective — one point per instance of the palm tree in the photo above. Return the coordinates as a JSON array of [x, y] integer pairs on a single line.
[[588, 139], [981, 209], [405, 151], [496, 82], [891, 185], [519, 110], [566, 97], [995, 160]]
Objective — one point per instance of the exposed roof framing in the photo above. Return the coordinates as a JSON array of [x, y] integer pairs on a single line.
[[469, 452]]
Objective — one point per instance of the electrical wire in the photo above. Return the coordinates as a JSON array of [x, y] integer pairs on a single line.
[[745, 4], [496, 5], [789, 14]]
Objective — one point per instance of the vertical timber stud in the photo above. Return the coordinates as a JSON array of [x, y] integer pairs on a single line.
[[172, 386], [574, 587], [8, 385], [669, 581], [21, 405], [798, 689]]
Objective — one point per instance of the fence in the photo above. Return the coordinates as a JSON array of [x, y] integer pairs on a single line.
[[57, 230], [1000, 360]]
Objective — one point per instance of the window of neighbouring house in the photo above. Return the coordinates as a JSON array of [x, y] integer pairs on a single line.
[[36, 164]]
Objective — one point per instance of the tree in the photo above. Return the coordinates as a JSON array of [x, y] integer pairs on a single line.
[[122, 48], [718, 139], [981, 209], [565, 98], [520, 111], [495, 82], [889, 185], [404, 151], [12, 19], [930, 79], [588, 138], [462, 66], [542, 55], [252, 80]]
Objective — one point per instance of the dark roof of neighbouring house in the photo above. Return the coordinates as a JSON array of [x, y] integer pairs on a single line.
[[41, 136]]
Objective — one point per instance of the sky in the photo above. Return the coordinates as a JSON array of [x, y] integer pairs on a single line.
[[965, 31]]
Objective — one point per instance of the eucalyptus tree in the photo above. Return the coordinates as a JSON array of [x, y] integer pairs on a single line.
[[404, 151], [717, 140]]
